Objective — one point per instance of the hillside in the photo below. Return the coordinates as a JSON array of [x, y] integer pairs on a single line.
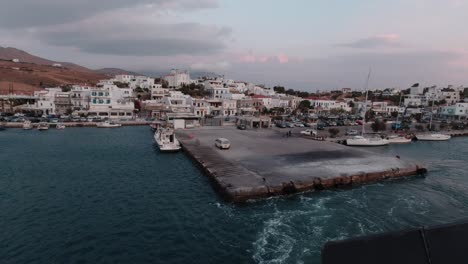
[[35, 72]]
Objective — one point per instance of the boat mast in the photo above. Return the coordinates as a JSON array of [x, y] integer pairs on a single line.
[[432, 112], [398, 110], [365, 103]]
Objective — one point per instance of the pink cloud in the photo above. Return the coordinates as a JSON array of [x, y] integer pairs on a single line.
[[282, 58]]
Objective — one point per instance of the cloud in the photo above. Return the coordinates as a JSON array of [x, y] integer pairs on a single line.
[[136, 31], [211, 67], [36, 13], [390, 69], [251, 58], [387, 40]]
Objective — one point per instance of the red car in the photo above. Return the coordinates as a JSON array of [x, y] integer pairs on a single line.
[[359, 122]]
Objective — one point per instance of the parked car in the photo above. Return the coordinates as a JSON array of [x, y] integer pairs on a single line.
[[299, 124], [281, 125], [359, 122], [222, 143], [320, 126], [290, 125], [351, 132], [309, 132], [241, 127]]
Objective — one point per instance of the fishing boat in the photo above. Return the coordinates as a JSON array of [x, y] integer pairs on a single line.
[[434, 136], [108, 124], [60, 126], [365, 140], [398, 139], [166, 140], [27, 125], [43, 126]]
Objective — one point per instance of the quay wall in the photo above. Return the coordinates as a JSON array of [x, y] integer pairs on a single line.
[[254, 175], [78, 124]]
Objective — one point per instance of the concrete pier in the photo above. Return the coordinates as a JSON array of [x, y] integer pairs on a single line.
[[264, 163]]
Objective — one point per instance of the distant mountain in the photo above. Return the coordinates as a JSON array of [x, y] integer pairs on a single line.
[[33, 71], [115, 71]]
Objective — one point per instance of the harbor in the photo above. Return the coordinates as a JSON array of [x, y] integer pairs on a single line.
[[264, 163], [109, 190]]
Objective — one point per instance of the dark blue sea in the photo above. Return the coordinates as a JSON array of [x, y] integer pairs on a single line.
[[85, 195]]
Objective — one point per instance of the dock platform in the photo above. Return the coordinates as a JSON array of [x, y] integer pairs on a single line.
[[263, 163]]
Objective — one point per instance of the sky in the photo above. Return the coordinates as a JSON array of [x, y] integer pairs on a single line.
[[302, 44]]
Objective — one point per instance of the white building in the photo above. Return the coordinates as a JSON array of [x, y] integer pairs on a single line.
[[124, 78], [201, 107], [177, 102], [176, 78], [45, 103], [80, 97], [109, 101], [458, 110], [217, 90], [159, 93]]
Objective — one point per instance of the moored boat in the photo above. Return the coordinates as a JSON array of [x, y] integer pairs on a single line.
[[108, 124], [360, 141], [366, 140], [27, 125], [60, 126], [43, 126], [399, 139], [433, 137], [166, 140]]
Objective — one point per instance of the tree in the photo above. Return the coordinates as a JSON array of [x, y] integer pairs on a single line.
[[164, 83], [279, 89], [333, 132], [304, 105], [370, 115], [121, 84], [351, 104], [139, 90], [394, 114], [378, 125]]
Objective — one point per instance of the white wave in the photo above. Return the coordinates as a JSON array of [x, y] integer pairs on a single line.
[[274, 244]]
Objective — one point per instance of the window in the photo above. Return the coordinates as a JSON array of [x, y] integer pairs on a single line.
[[101, 94], [94, 93], [108, 101]]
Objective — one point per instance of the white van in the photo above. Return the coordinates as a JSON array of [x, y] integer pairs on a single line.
[[222, 143]]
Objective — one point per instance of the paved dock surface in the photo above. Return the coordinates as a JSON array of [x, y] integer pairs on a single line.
[[264, 163]]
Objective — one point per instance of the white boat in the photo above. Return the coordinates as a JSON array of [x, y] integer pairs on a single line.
[[60, 126], [166, 140], [398, 139], [27, 125], [43, 126], [108, 124], [433, 137], [366, 141], [360, 141]]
